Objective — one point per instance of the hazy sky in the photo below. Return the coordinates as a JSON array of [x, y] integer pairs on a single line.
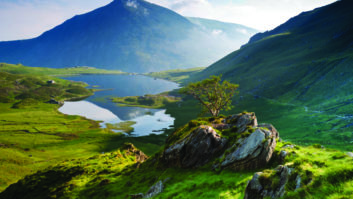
[[20, 19]]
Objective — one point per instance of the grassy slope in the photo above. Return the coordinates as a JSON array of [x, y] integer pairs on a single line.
[[300, 74], [20, 69]]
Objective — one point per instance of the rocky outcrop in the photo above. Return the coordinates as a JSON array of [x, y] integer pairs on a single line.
[[252, 152], [245, 144], [240, 121], [272, 186], [132, 150], [196, 149]]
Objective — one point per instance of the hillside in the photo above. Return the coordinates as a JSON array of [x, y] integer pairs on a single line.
[[301, 69], [127, 35], [306, 60], [191, 166]]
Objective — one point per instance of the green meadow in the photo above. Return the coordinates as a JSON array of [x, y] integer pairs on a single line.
[[34, 135]]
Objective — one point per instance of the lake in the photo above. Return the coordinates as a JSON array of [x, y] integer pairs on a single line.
[[99, 107]]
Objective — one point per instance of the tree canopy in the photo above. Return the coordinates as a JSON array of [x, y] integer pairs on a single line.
[[213, 94]]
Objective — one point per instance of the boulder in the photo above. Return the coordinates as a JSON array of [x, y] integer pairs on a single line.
[[263, 188], [196, 149], [245, 145], [252, 152]]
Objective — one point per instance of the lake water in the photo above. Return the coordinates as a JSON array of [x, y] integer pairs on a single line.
[[99, 107]]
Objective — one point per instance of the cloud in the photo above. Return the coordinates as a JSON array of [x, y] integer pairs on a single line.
[[260, 14], [132, 3]]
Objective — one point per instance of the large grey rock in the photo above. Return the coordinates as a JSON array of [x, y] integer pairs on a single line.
[[257, 190], [251, 146], [196, 149], [253, 152]]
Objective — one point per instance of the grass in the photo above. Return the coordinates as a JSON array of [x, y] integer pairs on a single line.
[[79, 70], [125, 126], [34, 138], [325, 173], [34, 135], [114, 175], [147, 101]]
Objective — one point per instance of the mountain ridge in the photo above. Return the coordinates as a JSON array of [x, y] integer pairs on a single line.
[[129, 35]]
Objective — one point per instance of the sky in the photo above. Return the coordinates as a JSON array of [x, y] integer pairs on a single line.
[[23, 19]]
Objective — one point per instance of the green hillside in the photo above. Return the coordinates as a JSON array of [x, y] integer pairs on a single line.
[[304, 65]]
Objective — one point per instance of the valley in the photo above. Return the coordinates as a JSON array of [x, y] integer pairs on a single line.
[[107, 105]]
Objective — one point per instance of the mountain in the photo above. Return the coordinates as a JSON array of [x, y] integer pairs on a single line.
[[305, 61], [129, 35], [231, 35]]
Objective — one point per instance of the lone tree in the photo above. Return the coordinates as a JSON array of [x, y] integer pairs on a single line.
[[213, 94]]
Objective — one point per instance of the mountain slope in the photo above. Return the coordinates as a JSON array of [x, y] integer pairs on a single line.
[[305, 61], [130, 35]]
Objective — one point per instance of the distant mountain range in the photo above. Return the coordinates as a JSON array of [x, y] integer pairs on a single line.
[[308, 60], [129, 35]]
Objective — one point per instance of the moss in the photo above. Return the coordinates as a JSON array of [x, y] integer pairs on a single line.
[[245, 134], [317, 146], [339, 155]]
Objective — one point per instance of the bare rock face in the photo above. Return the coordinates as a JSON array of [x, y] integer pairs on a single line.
[[196, 149], [155, 190], [252, 152], [259, 187], [242, 121]]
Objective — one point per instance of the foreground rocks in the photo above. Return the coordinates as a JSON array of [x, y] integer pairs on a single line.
[[132, 150], [195, 150], [271, 186], [241, 144]]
